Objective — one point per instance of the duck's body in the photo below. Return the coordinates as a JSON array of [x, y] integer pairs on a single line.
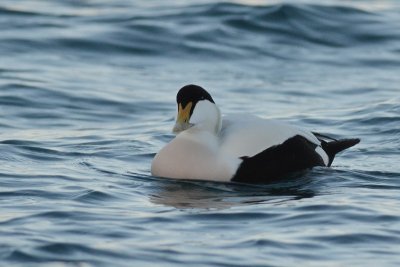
[[238, 148]]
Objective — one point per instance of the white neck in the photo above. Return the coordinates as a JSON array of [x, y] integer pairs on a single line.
[[206, 116]]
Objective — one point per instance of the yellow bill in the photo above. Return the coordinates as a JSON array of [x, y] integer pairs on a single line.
[[182, 120]]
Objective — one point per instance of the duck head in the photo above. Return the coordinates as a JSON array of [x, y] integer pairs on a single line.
[[196, 108]]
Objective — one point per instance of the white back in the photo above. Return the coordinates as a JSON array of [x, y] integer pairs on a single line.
[[246, 135]]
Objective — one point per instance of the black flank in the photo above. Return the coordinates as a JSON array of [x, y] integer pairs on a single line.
[[294, 155]]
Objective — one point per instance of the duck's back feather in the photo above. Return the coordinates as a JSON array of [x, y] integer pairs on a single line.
[[249, 135]]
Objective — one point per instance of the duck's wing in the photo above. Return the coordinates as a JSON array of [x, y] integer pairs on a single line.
[[244, 135], [269, 150], [322, 137]]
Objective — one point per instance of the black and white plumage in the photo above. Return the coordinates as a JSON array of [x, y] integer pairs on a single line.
[[238, 148]]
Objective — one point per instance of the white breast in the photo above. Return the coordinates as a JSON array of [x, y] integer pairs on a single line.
[[194, 155]]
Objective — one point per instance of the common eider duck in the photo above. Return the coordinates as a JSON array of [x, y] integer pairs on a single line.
[[242, 148]]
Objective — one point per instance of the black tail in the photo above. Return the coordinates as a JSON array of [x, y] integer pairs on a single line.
[[334, 147]]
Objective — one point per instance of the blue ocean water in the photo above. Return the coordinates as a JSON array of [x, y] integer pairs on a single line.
[[87, 97]]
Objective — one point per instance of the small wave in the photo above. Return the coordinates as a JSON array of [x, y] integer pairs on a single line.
[[94, 196], [18, 12], [227, 30], [358, 238]]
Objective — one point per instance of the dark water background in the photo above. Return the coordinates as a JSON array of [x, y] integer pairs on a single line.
[[87, 91]]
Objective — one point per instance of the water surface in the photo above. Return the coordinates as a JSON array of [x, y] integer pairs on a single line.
[[87, 97]]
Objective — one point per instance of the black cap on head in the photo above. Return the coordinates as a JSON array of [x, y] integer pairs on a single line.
[[192, 93]]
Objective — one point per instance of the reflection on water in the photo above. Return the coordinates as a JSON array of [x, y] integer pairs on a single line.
[[210, 195]]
